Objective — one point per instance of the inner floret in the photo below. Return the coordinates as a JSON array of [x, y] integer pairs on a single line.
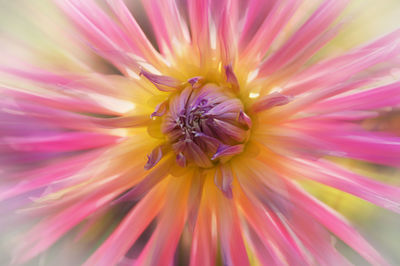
[[205, 125]]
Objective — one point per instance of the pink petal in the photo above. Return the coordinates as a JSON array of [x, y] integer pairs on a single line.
[[277, 18], [223, 179], [226, 150], [155, 156], [71, 141], [244, 119], [352, 141], [122, 122], [284, 71], [347, 65], [117, 244], [329, 174], [306, 101], [319, 21], [50, 229], [315, 238], [257, 11], [335, 224], [226, 25], [99, 29], [231, 78], [199, 25], [163, 83], [154, 176], [167, 23], [76, 102], [169, 228], [385, 96], [203, 245], [269, 101], [265, 222], [45, 176], [230, 233], [133, 29]]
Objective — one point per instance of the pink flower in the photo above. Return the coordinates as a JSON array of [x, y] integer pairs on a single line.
[[197, 148]]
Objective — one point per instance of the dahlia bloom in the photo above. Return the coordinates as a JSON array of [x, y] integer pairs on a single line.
[[194, 141]]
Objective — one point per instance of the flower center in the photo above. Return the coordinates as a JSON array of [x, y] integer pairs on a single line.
[[205, 125]]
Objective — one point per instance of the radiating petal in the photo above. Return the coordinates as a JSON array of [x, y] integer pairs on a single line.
[[116, 245]]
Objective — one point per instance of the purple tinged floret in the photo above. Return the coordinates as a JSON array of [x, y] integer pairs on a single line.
[[207, 118]]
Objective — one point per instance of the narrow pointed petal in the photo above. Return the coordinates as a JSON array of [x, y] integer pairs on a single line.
[[203, 243], [116, 245], [72, 141], [385, 96], [169, 228], [158, 173], [264, 218], [104, 35], [226, 38], [133, 29], [230, 234], [51, 228], [336, 224], [169, 27], [45, 176], [374, 191], [260, 42], [347, 65], [122, 122], [311, 29]]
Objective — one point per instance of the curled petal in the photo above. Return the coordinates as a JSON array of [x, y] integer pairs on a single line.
[[269, 101], [160, 109], [163, 83], [181, 160], [226, 150], [196, 82], [231, 78], [154, 157], [244, 119], [223, 179]]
